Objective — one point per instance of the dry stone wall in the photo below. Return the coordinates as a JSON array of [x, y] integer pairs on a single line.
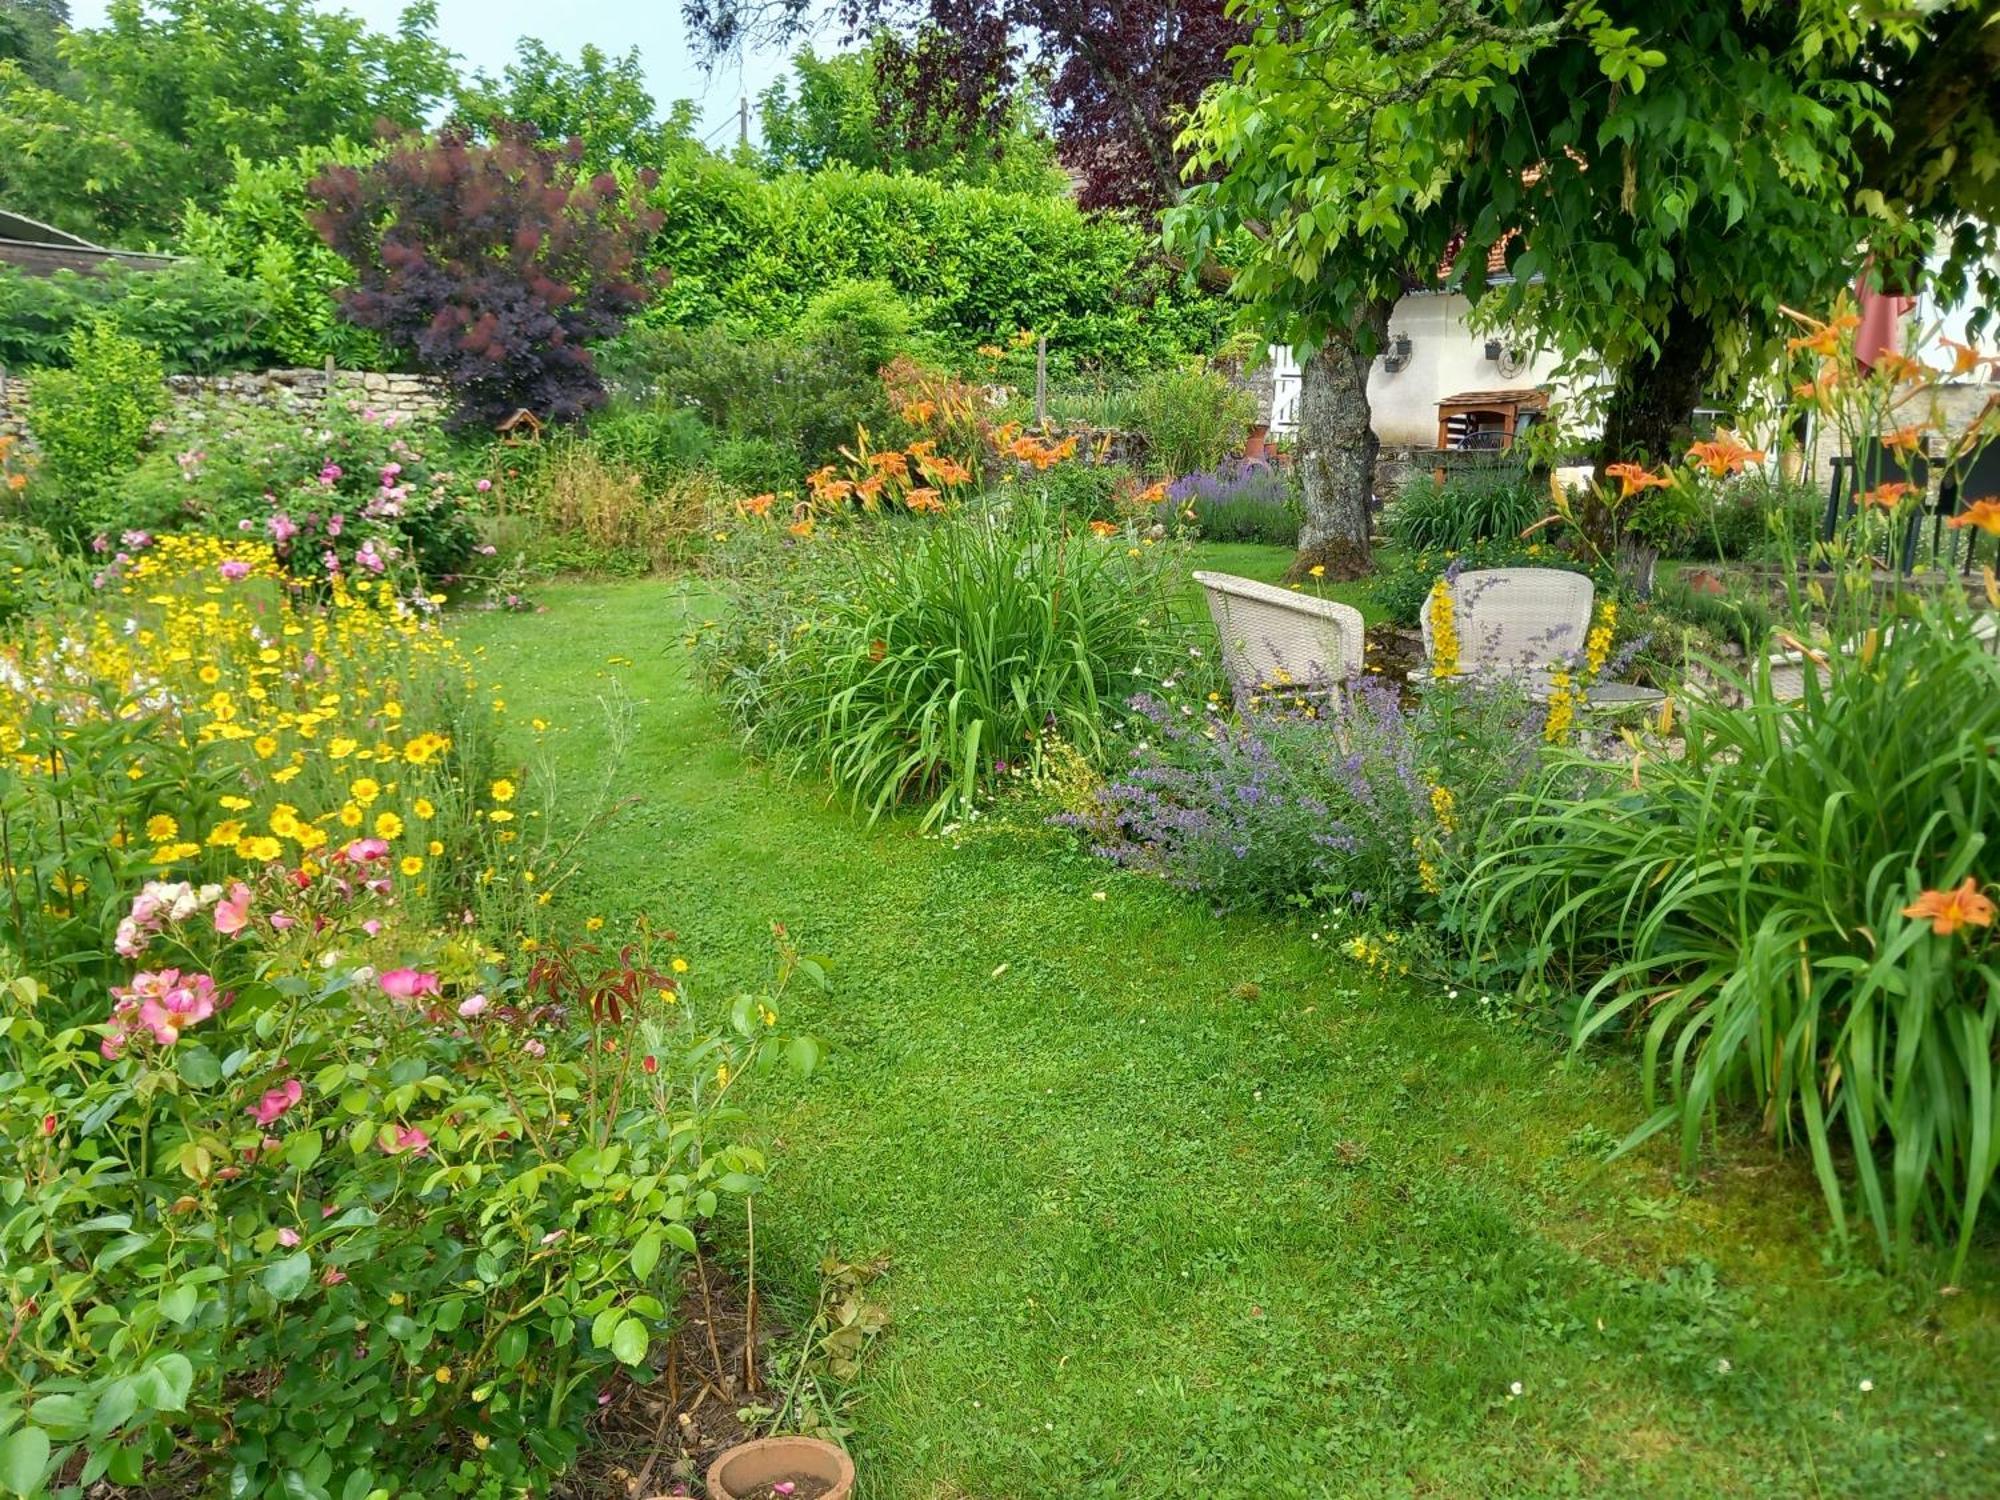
[[407, 397]]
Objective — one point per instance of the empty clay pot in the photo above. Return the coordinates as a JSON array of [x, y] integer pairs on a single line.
[[744, 1469]]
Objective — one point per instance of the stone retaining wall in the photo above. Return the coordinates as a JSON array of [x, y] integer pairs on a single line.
[[407, 397]]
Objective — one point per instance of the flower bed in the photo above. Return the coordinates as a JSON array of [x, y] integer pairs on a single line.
[[307, 1190]]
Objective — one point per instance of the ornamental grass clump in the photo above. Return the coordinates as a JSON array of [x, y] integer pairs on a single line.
[[911, 660], [1743, 911]]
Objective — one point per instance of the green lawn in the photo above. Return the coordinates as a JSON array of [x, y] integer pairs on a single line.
[[1189, 1207]]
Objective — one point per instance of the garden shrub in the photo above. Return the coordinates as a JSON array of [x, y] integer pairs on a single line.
[[1083, 492], [259, 230], [757, 463], [503, 305], [315, 1213], [864, 324], [1239, 500], [1758, 515], [1191, 419], [774, 407], [197, 318], [1363, 812], [345, 491], [302, 1191], [1429, 515], [653, 438], [92, 419], [913, 660], [1735, 618]]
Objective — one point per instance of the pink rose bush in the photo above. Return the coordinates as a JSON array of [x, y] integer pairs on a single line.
[[350, 1119]]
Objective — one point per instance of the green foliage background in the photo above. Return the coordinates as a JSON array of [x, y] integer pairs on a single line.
[[978, 263]]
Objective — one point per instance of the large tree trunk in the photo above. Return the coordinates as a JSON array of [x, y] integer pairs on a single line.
[[1650, 418], [1337, 448]]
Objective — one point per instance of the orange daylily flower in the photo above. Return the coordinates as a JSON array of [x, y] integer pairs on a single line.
[[1948, 911], [948, 472], [1725, 455], [1819, 390], [1964, 358], [1103, 528], [1901, 368], [758, 505], [1985, 514], [1632, 478], [1889, 494], [1905, 439], [922, 500], [1824, 339]]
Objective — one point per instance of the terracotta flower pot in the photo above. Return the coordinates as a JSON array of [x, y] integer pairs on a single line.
[[818, 1469]]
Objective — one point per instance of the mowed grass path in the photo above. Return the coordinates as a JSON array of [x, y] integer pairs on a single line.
[[1182, 1206]]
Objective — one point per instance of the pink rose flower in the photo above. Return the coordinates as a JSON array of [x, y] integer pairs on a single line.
[[234, 570], [408, 1138], [472, 1005], [276, 1101], [232, 914], [289, 1238], [408, 984]]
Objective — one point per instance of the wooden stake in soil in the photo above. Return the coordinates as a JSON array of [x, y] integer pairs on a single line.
[[750, 1301]]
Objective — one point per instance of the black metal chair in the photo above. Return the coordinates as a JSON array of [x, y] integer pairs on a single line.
[[1873, 464], [1972, 477]]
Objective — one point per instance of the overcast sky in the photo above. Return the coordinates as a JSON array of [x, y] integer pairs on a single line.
[[483, 33]]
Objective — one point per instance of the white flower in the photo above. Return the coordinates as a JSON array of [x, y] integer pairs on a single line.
[[1867, 1386], [1722, 1367], [1515, 1389]]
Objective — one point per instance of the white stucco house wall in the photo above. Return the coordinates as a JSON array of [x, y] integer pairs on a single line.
[[1446, 359], [1434, 355]]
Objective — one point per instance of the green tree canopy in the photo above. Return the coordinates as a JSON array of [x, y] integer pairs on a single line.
[[29, 31], [837, 111], [151, 106], [1659, 175], [599, 99]]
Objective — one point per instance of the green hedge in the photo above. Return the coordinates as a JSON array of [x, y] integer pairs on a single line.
[[977, 263]]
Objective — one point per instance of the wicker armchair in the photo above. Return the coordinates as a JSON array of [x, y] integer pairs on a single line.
[[1272, 635], [1516, 622]]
